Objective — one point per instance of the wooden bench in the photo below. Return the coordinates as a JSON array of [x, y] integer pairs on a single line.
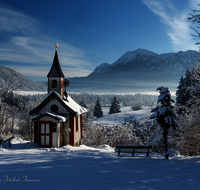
[[9, 139], [133, 149]]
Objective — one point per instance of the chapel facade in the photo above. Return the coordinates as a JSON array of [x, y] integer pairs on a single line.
[[58, 119]]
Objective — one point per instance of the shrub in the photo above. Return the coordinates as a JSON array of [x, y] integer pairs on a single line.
[[137, 106]]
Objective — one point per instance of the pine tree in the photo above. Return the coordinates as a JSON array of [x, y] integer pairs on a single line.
[[188, 83], [185, 90], [115, 106], [97, 109], [180, 93], [194, 98], [164, 114]]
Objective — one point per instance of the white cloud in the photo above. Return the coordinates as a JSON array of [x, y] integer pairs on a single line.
[[26, 43], [13, 21], [43, 71], [174, 22]]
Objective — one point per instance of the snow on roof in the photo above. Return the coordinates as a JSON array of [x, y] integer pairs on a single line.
[[71, 103], [59, 117], [74, 106], [68, 102]]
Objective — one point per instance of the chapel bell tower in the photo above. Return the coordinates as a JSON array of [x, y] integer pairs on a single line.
[[56, 76]]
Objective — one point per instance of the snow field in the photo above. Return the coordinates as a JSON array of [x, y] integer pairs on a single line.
[[90, 167], [118, 118], [21, 92]]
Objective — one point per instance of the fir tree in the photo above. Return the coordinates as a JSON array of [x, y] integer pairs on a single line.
[[164, 114], [184, 90], [181, 98], [115, 106], [180, 93], [188, 83], [97, 109]]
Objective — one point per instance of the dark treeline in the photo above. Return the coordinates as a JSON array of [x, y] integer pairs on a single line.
[[84, 98]]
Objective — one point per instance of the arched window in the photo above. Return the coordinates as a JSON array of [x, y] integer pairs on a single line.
[[54, 84]]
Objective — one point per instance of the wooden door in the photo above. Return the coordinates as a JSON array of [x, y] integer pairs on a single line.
[[45, 134]]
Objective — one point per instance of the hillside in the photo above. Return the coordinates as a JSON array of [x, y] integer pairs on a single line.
[[26, 83]]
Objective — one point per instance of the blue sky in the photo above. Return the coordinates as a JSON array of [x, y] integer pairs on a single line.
[[88, 32]]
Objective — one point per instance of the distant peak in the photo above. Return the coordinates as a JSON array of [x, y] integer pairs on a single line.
[[104, 64], [130, 55], [140, 51], [104, 67], [145, 51]]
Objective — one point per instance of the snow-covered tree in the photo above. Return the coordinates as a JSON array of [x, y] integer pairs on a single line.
[[194, 18], [164, 114], [136, 106], [115, 106], [7, 86], [185, 90], [101, 134], [97, 109]]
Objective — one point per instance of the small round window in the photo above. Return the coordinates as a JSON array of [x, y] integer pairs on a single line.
[[54, 108]]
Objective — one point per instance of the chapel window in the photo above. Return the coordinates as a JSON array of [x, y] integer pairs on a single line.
[[54, 129], [54, 108], [54, 83]]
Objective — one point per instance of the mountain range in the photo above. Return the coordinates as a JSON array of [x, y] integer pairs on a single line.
[[135, 71], [139, 71]]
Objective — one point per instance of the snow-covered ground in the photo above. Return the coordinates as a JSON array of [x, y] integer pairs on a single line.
[[118, 118], [87, 167], [29, 92]]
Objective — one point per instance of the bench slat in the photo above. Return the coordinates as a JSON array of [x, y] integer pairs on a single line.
[[142, 150], [123, 146], [124, 150], [143, 147]]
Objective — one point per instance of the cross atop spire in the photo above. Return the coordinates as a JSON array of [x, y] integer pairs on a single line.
[[56, 46]]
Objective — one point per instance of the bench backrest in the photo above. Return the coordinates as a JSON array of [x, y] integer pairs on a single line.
[[133, 147]]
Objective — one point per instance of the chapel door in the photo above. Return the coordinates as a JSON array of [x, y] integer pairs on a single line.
[[45, 134]]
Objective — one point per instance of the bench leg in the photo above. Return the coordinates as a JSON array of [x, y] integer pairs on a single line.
[[119, 152], [9, 144], [147, 154], [132, 153]]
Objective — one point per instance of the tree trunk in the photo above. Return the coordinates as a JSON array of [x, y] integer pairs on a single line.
[[12, 126], [165, 133]]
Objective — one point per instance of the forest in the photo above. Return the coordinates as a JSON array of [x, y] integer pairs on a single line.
[[14, 119]]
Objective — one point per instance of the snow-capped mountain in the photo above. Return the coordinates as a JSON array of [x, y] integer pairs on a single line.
[[104, 67], [131, 55], [135, 71], [152, 63], [139, 70]]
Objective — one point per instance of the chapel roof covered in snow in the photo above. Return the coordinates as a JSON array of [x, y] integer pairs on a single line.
[[68, 103]]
